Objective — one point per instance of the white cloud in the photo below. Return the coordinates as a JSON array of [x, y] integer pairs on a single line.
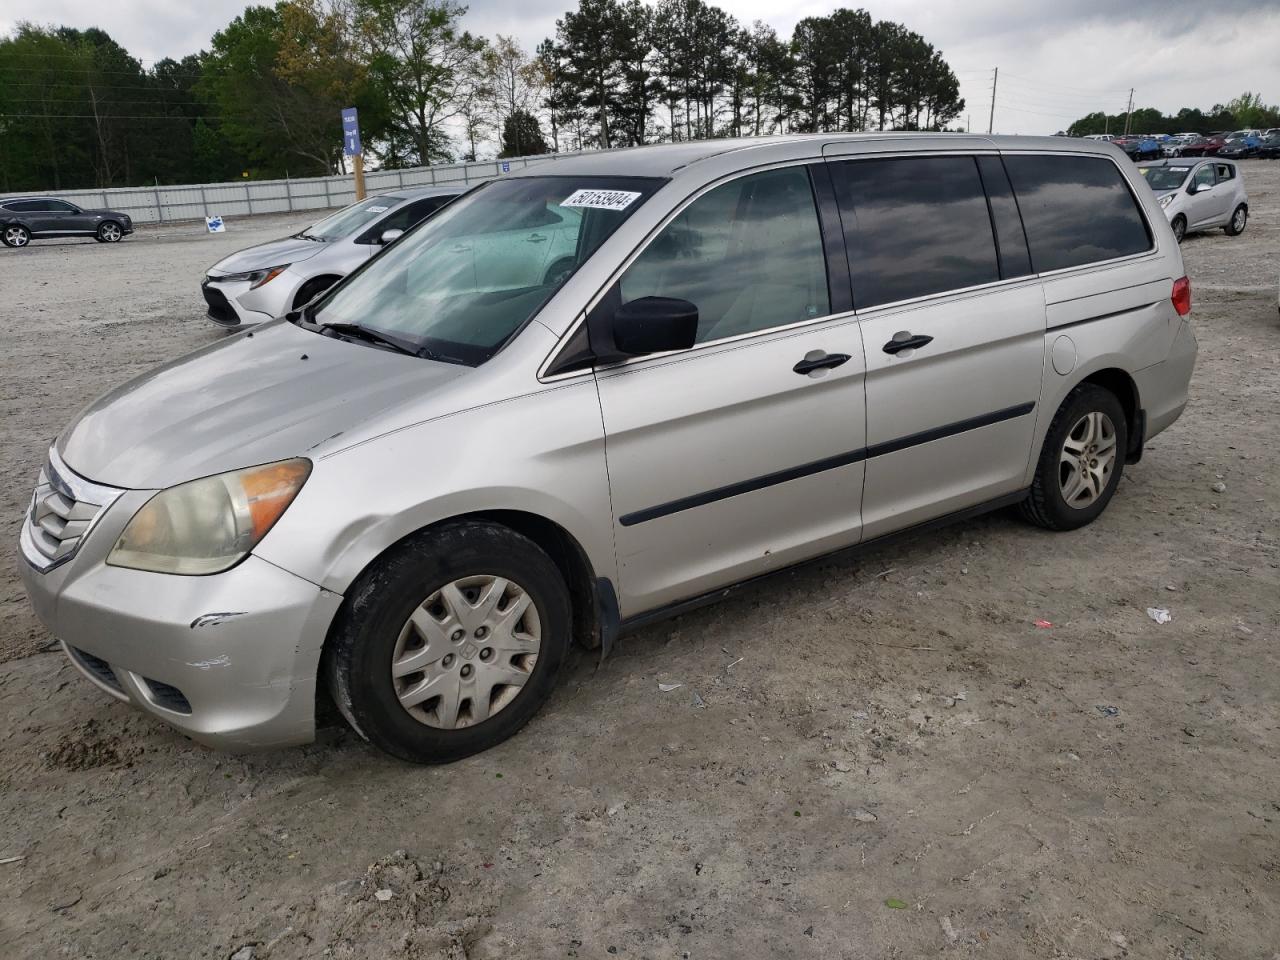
[[1057, 60]]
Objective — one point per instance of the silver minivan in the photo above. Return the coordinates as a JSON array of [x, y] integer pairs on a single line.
[[415, 493]]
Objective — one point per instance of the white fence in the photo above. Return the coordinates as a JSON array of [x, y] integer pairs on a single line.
[[161, 204]]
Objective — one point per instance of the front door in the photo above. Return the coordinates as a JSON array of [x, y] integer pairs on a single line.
[[744, 453], [1205, 200], [954, 355]]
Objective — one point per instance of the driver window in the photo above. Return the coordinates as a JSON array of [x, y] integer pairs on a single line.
[[1204, 176], [748, 254]]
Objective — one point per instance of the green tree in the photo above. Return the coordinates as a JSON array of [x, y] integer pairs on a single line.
[[522, 135]]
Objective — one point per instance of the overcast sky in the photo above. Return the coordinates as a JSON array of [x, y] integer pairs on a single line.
[[1058, 59]]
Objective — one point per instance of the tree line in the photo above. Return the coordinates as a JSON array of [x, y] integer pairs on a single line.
[[1245, 112], [78, 110]]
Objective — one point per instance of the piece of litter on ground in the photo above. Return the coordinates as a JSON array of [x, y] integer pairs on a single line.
[[1243, 629], [668, 687], [1159, 614], [893, 903], [948, 930], [244, 953], [865, 816], [1171, 588], [697, 700], [1043, 624], [383, 895], [1107, 710], [735, 663], [11, 860], [885, 573]]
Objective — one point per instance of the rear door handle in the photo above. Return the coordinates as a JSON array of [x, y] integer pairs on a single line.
[[907, 341], [826, 361]]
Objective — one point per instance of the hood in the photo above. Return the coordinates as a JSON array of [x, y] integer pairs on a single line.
[[243, 401], [273, 254]]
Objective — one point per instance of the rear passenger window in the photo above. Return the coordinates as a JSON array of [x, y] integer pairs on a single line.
[[1076, 210], [914, 226], [1225, 172], [748, 254]]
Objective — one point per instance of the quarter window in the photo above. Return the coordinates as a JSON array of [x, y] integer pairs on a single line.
[[1225, 172], [1077, 210], [915, 226], [748, 254]]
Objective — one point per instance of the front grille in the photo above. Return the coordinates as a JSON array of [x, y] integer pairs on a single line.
[[96, 666], [63, 510], [220, 308]]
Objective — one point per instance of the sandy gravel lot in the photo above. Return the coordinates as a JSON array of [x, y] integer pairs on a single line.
[[876, 757]]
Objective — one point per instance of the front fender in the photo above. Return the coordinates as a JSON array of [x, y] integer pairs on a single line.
[[541, 454]]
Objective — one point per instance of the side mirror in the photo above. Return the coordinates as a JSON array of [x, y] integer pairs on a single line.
[[389, 235], [655, 325]]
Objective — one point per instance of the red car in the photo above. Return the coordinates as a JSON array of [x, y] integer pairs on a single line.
[[1204, 147]]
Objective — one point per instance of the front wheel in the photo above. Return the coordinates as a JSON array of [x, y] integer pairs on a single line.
[[109, 232], [1239, 220], [1081, 460], [1179, 227], [16, 235], [449, 643]]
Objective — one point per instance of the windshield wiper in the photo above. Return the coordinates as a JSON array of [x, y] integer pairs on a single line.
[[306, 236], [357, 332]]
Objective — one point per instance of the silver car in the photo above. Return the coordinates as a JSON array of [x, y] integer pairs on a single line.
[[1199, 194], [719, 359], [266, 281]]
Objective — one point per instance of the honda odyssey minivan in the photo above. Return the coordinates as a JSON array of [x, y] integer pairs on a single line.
[[415, 493]]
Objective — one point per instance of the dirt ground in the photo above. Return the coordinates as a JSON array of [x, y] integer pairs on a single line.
[[882, 756]]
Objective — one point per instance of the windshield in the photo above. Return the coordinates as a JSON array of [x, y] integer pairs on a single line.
[[461, 283], [350, 219], [1166, 178]]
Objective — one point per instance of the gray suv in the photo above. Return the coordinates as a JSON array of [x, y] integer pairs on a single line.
[[23, 219], [413, 494]]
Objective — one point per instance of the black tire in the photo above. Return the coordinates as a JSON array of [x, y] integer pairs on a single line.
[[15, 235], [1239, 220], [1179, 225], [105, 233], [1045, 505], [359, 652], [312, 289], [557, 271]]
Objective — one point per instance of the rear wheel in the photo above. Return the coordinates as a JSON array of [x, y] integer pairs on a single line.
[[1179, 227], [450, 643], [1081, 460], [109, 232], [1239, 220], [16, 235]]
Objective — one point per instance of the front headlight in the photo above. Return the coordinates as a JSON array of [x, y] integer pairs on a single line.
[[256, 277], [1166, 200], [209, 525]]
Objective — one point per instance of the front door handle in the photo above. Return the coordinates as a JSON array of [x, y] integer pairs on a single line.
[[907, 341], [535, 238], [823, 362]]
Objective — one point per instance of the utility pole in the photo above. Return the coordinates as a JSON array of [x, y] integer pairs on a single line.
[[1128, 112], [992, 121]]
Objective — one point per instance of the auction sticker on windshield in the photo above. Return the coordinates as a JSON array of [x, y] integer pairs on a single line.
[[601, 199]]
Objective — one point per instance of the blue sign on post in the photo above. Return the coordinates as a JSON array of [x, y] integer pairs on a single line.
[[506, 167], [351, 133]]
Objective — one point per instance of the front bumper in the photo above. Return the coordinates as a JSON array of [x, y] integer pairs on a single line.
[[229, 659], [234, 304]]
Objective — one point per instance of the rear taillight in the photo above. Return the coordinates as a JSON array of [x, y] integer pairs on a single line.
[[1182, 296]]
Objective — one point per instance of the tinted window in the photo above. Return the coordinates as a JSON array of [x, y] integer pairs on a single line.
[[914, 226], [1011, 242], [404, 218], [1076, 210], [747, 254], [58, 206], [24, 206]]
